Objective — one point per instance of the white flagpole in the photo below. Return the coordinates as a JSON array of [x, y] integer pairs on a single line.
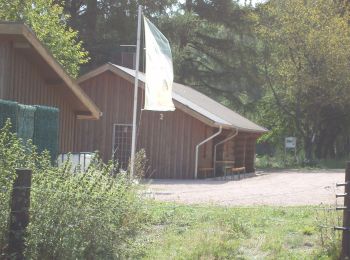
[[133, 142]]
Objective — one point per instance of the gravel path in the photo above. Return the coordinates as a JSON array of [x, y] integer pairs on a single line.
[[282, 188]]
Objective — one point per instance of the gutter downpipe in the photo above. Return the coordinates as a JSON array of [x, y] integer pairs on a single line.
[[223, 141], [201, 143]]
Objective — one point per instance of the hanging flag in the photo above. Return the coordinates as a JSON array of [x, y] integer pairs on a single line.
[[159, 70]]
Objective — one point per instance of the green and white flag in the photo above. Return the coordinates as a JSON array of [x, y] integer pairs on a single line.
[[159, 70]]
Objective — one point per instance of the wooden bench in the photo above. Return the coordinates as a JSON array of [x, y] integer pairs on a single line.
[[205, 172], [234, 171]]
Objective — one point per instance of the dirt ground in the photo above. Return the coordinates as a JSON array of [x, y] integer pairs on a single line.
[[279, 188]]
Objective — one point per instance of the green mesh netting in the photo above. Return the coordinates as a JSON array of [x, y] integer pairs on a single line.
[[39, 123], [8, 109], [25, 122], [46, 130]]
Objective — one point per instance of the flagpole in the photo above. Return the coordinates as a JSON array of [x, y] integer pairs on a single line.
[[136, 87]]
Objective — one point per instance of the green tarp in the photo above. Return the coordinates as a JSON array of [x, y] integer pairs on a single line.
[[25, 122], [39, 123], [46, 130], [8, 110]]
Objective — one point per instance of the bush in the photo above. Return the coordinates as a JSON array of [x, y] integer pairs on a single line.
[[280, 160], [12, 155], [139, 165], [91, 215]]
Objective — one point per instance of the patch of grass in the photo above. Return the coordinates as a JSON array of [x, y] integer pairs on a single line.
[[214, 232]]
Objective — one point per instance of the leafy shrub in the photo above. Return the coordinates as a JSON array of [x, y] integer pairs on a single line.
[[139, 165], [280, 160], [91, 215], [13, 154]]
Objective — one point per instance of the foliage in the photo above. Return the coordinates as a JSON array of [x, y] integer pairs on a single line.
[[73, 215], [49, 22], [104, 25], [279, 161], [215, 50], [139, 165], [306, 51], [12, 155], [213, 232]]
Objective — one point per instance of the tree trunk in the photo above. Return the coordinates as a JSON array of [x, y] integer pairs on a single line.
[[188, 5], [308, 147], [73, 12], [91, 20]]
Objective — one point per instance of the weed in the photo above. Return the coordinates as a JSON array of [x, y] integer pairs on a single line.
[[213, 232]]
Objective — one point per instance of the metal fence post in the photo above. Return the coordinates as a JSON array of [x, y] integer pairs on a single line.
[[19, 216], [346, 216]]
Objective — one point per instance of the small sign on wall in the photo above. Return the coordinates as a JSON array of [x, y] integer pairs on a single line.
[[290, 142]]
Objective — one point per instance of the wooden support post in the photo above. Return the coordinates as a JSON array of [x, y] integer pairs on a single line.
[[346, 216], [19, 216]]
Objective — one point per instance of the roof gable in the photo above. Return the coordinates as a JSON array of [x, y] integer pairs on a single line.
[[24, 40], [198, 103]]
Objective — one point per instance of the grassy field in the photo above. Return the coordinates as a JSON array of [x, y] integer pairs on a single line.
[[211, 232]]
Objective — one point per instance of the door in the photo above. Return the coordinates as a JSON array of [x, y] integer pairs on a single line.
[[122, 135]]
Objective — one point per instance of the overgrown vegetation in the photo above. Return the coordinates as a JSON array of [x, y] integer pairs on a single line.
[[283, 161], [214, 232], [91, 215]]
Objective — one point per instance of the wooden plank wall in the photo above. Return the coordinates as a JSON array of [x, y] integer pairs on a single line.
[[115, 101], [169, 142], [240, 149], [22, 81], [250, 153], [244, 151]]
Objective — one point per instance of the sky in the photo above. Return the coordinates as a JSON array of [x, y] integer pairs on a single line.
[[253, 1]]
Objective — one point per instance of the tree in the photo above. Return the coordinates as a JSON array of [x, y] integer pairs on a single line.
[[49, 23], [104, 25], [214, 47], [306, 54]]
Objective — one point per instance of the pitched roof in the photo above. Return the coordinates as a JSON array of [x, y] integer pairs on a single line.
[[25, 40], [190, 98]]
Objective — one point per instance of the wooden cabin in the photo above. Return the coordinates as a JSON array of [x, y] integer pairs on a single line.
[[30, 75], [169, 138]]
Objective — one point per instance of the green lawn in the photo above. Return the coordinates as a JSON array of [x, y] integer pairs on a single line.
[[212, 232]]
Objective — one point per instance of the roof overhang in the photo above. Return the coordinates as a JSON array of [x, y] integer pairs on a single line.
[[25, 41]]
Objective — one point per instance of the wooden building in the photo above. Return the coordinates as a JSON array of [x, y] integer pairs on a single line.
[[173, 141], [30, 75]]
